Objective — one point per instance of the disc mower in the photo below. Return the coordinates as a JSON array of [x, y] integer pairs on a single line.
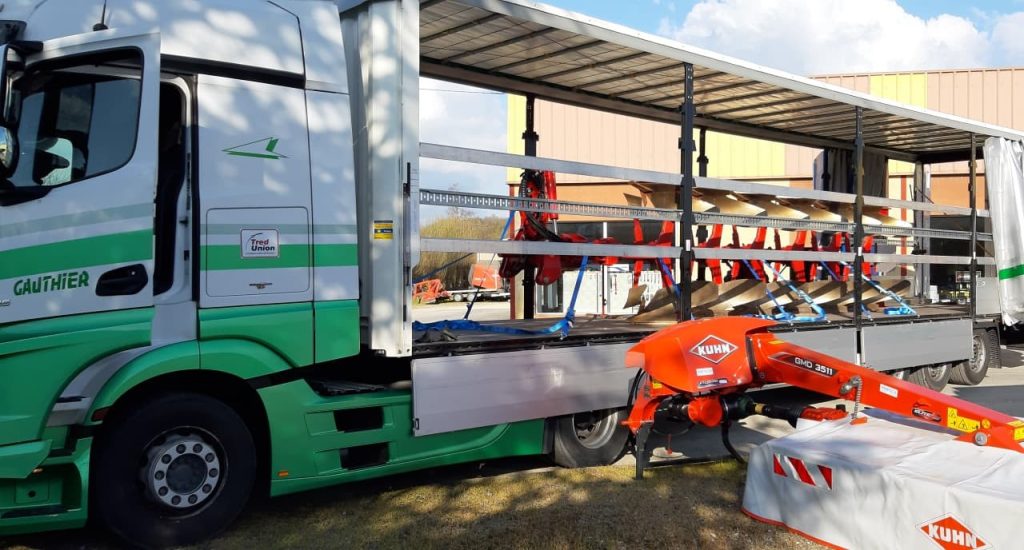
[[698, 373]]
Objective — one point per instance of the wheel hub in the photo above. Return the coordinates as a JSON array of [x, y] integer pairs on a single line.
[[182, 471], [593, 429], [978, 354]]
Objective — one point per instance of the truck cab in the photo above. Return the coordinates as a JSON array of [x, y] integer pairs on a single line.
[[178, 235]]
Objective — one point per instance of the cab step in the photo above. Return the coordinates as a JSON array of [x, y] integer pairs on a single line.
[[334, 388]]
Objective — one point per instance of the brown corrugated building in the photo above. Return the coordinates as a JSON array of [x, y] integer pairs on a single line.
[[994, 96]]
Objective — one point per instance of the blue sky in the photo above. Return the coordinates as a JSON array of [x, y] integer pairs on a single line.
[[806, 37], [649, 20]]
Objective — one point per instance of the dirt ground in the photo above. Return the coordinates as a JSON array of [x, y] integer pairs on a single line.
[[508, 504]]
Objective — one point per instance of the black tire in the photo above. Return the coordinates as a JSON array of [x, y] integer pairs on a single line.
[[933, 377], [595, 438], [146, 445], [984, 353]]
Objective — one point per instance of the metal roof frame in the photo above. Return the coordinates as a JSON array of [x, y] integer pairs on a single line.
[[523, 47]]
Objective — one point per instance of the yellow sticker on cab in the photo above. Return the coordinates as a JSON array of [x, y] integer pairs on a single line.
[[957, 422], [383, 230]]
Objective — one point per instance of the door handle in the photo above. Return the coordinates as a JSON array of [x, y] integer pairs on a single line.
[[123, 281]]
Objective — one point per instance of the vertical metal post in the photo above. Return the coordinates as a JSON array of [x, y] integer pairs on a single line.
[[920, 194], [530, 139], [702, 157], [604, 276], [685, 202], [702, 171], [858, 232], [972, 190]]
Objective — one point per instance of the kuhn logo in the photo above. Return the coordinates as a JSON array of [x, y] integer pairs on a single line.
[[713, 349], [948, 533]]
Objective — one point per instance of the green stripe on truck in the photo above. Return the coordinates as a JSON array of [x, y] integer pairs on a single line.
[[117, 248], [221, 257], [1011, 272], [335, 255]]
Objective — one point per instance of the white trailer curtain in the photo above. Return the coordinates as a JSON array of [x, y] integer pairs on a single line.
[[1004, 176]]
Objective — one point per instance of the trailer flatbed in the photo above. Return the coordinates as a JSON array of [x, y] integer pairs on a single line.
[[591, 330]]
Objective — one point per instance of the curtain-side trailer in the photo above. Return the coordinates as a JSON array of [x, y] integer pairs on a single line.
[[209, 219]]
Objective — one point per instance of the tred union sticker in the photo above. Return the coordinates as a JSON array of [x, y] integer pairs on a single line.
[[948, 533], [713, 349]]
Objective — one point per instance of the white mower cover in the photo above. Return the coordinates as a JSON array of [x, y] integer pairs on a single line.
[[887, 485], [1004, 176]]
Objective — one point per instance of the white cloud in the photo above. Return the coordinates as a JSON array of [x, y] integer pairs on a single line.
[[1007, 39], [462, 116], [831, 36]]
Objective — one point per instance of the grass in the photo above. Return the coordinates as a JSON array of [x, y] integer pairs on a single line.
[[694, 506]]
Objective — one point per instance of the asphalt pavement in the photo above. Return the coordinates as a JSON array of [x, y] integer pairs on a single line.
[[482, 311]]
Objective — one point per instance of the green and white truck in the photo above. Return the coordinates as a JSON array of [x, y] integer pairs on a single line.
[[208, 221]]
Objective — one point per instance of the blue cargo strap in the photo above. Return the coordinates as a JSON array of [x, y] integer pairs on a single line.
[[782, 315], [469, 306], [563, 326], [902, 309], [819, 313]]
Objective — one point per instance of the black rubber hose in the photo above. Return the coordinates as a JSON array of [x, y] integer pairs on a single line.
[[634, 387], [728, 444]]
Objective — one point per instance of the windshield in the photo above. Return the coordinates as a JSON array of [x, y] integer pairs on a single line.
[[75, 121]]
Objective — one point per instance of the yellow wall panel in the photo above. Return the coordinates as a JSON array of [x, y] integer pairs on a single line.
[[910, 88], [741, 157], [516, 126]]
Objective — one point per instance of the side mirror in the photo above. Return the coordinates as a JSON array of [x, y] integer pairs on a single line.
[[8, 152]]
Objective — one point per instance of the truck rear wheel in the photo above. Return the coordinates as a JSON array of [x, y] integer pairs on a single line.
[[175, 471], [595, 438], [984, 348], [933, 377]]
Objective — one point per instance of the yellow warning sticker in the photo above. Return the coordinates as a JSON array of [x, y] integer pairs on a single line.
[[383, 230], [957, 422], [1018, 429]]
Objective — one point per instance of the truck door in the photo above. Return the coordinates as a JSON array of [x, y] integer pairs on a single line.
[[76, 212]]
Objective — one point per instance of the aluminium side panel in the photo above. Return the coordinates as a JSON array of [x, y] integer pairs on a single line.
[[469, 391], [903, 345], [987, 300], [837, 342]]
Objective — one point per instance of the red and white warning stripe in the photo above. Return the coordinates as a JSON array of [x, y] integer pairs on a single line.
[[815, 475]]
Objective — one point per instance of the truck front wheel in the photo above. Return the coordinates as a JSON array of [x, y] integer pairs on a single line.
[[595, 438], [174, 471]]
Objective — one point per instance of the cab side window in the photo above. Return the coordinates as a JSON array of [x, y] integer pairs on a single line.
[[76, 121]]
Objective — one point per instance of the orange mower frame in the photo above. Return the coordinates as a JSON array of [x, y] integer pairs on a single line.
[[697, 372]]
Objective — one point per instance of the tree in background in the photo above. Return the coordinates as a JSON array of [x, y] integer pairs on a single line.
[[457, 224]]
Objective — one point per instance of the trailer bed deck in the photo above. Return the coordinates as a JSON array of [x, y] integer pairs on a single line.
[[589, 330]]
